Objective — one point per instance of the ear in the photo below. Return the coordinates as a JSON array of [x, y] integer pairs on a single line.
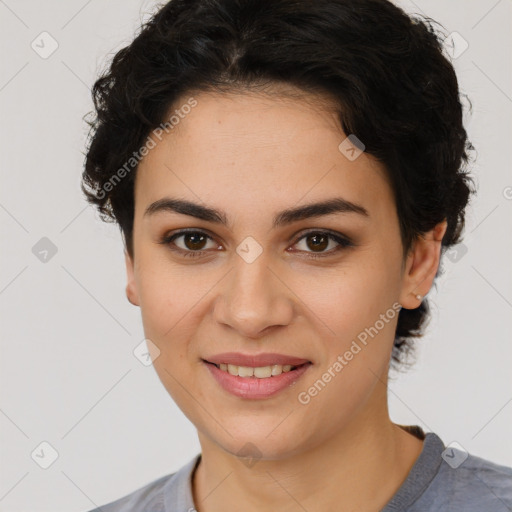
[[421, 266], [131, 285]]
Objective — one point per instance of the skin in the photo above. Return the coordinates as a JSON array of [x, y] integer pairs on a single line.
[[253, 155]]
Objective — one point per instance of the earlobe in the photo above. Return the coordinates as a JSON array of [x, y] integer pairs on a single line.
[[131, 286], [421, 266]]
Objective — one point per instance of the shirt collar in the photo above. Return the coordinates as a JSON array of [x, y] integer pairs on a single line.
[[178, 490], [178, 495]]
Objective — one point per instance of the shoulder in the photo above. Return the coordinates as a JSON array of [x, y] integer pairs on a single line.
[[479, 478], [148, 497], [449, 478], [169, 492], [470, 483]]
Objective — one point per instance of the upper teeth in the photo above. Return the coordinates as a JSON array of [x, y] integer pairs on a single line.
[[262, 372]]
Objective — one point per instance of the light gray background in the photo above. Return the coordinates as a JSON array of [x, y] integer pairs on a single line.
[[69, 376]]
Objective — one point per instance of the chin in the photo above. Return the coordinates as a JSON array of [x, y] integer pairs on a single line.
[[263, 441]]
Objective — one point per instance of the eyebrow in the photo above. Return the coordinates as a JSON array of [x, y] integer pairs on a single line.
[[288, 216]]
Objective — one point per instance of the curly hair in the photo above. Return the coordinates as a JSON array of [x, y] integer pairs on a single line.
[[393, 88]]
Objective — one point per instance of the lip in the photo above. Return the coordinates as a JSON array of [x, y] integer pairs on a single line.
[[255, 360], [253, 387]]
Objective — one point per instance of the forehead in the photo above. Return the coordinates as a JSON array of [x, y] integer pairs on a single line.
[[253, 149]]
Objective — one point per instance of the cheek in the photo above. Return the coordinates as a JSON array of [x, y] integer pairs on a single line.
[[351, 297], [359, 308], [174, 301], [167, 294], [170, 303]]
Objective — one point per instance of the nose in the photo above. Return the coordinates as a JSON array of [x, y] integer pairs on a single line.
[[253, 300]]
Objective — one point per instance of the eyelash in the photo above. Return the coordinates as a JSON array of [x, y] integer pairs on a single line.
[[343, 242]]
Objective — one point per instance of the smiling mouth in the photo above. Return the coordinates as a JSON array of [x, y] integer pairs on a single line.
[[259, 372]]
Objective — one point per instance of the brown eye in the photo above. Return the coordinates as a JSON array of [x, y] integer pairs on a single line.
[[194, 241], [189, 243], [316, 243]]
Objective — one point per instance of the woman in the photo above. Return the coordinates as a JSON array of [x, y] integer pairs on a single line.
[[286, 175]]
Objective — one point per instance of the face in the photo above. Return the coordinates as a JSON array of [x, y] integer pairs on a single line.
[[254, 280]]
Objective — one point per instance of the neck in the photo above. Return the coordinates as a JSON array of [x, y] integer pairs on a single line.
[[358, 468]]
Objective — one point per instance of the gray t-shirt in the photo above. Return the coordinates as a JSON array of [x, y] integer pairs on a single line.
[[442, 479]]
